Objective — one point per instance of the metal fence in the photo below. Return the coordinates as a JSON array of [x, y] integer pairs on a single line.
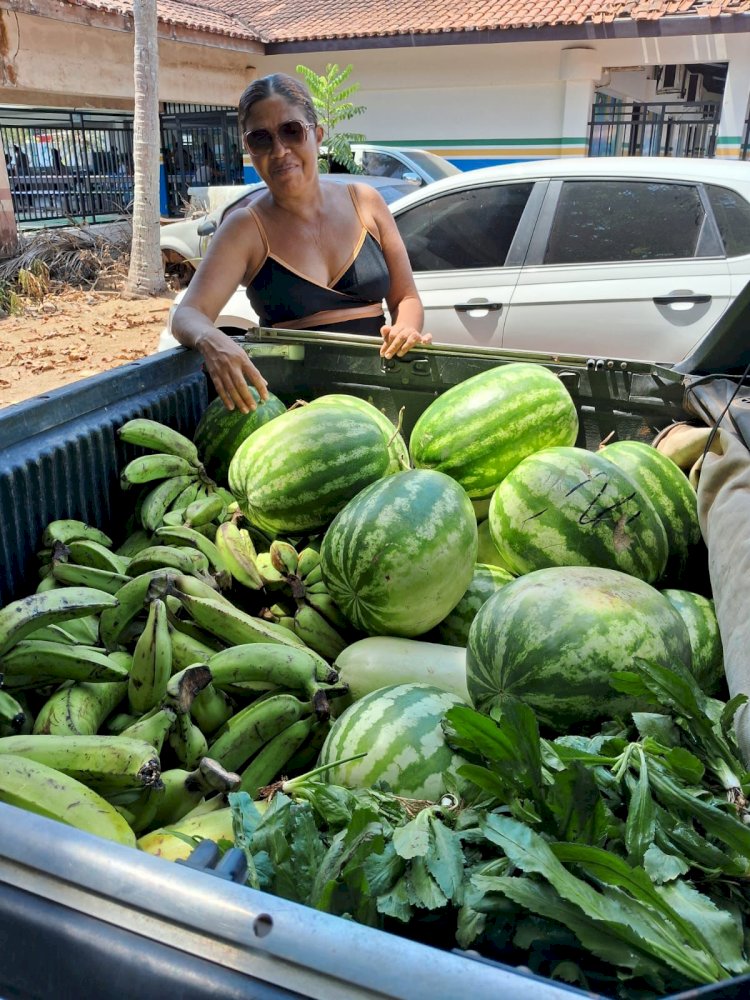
[[68, 165], [200, 146], [654, 129]]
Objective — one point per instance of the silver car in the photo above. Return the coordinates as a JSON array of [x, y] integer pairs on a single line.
[[629, 258]]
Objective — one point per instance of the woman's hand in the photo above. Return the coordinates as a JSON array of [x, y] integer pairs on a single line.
[[231, 369], [399, 339]]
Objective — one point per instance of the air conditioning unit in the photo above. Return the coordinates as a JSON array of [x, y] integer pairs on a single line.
[[670, 80]]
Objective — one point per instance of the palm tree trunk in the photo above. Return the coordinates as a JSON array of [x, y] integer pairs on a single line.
[[146, 274]]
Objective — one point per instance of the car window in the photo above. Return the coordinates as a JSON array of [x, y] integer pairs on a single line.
[[464, 230], [434, 166], [598, 221], [732, 217], [383, 165]]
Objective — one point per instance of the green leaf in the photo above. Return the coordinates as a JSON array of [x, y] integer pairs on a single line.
[[422, 888], [641, 818], [628, 917], [661, 867], [383, 870], [470, 926], [396, 902], [445, 860], [684, 765], [657, 726], [720, 929]]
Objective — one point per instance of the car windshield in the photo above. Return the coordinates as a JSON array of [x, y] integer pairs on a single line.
[[436, 166], [390, 192]]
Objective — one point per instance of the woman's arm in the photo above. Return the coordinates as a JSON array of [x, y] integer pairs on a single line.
[[404, 303], [232, 252]]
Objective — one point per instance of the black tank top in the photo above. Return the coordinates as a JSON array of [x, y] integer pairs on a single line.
[[281, 295]]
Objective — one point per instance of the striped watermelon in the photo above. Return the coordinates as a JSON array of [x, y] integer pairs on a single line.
[[553, 639], [667, 487], [396, 445], [294, 474], [479, 430], [569, 507], [401, 554], [487, 580], [399, 728], [705, 639], [487, 552], [220, 431]]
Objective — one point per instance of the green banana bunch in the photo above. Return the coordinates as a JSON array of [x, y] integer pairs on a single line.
[[71, 574], [152, 728], [96, 761], [252, 727], [183, 560], [133, 544], [294, 668], [238, 553], [188, 495], [130, 600], [13, 715], [270, 576], [69, 529], [204, 509], [267, 765], [186, 649], [79, 708], [184, 789], [157, 501], [84, 630], [20, 618], [159, 437], [284, 558], [187, 741], [183, 535], [149, 468], [46, 659], [307, 560], [174, 843], [232, 625], [211, 709], [86, 552], [44, 790], [152, 661], [317, 632]]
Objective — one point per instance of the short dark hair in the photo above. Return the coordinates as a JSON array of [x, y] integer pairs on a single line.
[[285, 86]]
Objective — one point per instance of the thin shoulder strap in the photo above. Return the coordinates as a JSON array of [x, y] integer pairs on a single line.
[[355, 199], [264, 237]]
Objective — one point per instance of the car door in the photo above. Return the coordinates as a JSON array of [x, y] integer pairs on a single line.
[[465, 248], [619, 267]]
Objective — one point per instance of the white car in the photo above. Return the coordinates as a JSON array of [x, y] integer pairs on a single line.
[[626, 258]]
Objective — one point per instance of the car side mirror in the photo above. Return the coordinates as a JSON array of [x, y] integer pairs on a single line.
[[409, 175], [207, 228]]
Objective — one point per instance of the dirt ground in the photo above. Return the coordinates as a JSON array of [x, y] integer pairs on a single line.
[[72, 334]]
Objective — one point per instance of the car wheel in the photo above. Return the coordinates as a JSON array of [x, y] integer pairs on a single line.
[[177, 270]]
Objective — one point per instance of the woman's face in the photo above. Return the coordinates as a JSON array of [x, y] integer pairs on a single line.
[[286, 164]]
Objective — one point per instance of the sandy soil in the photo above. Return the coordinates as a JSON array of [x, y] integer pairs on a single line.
[[73, 334]]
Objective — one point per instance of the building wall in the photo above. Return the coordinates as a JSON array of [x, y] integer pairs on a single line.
[[493, 103], [47, 63]]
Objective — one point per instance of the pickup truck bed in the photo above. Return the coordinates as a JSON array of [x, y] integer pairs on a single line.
[[81, 917]]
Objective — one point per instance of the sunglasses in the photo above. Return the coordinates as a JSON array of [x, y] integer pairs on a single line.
[[289, 134]]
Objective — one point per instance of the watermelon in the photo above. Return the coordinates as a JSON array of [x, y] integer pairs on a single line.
[[554, 637], [400, 555], [399, 728], [487, 553], [294, 474], [480, 429], [396, 445], [571, 507], [667, 487], [453, 630], [705, 639], [220, 431]]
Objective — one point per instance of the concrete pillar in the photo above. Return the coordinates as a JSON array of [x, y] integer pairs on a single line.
[[580, 67], [8, 227], [734, 107]]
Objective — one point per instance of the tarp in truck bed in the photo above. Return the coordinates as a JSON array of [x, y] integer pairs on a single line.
[[142, 926]]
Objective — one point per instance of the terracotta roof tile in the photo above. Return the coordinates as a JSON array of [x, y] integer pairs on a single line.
[[193, 16], [307, 20], [300, 20]]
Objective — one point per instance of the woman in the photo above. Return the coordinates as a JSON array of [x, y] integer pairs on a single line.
[[314, 256]]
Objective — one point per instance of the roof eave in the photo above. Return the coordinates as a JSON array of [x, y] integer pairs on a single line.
[[664, 27]]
